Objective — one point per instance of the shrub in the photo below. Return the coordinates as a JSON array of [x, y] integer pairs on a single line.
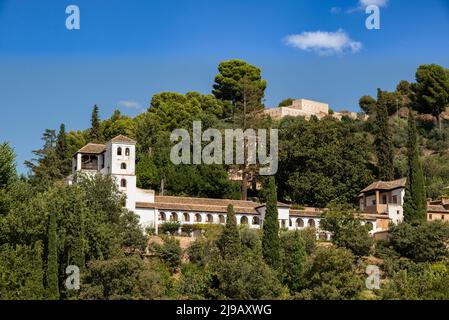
[[309, 237], [170, 253], [170, 227], [425, 242], [151, 231], [188, 228]]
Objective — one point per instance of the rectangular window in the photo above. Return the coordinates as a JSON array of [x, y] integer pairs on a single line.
[[395, 199], [430, 216]]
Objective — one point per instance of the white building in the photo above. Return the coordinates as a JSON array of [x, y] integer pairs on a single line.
[[380, 202], [117, 158], [384, 201], [306, 108]]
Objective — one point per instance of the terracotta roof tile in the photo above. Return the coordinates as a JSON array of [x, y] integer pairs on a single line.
[[92, 148], [200, 204], [437, 208], [385, 185], [122, 138]]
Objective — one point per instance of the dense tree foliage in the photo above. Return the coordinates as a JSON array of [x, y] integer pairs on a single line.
[[425, 242], [431, 89], [46, 225], [320, 161], [347, 230]]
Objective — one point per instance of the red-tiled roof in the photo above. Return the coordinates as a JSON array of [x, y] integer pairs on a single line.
[[432, 208], [200, 204], [385, 185], [306, 212], [92, 148], [122, 138]]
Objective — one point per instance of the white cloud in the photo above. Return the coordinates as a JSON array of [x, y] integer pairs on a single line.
[[335, 10], [130, 104], [324, 43], [379, 3], [363, 4]]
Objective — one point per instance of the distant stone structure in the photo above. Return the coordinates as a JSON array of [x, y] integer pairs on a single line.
[[307, 108]]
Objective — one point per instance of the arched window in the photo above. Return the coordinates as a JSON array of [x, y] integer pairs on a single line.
[[243, 220], [123, 183], [123, 166], [162, 216], [311, 223], [221, 218], [186, 217], [210, 218], [299, 223], [197, 217], [127, 152], [174, 216], [119, 151], [256, 221], [290, 223]]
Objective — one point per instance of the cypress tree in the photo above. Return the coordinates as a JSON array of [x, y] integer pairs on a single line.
[[415, 205], [78, 250], [52, 261], [229, 242], [293, 260], [62, 151], [383, 141], [270, 238], [95, 134], [36, 280]]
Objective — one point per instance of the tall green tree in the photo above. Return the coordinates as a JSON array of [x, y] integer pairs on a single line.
[[52, 260], [229, 241], [367, 104], [7, 165], [228, 83], [415, 205], [270, 239], [294, 256], [431, 89], [46, 166], [62, 151], [241, 84], [95, 130], [320, 161], [383, 140], [347, 230]]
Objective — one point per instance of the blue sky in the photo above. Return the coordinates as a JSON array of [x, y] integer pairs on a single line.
[[126, 51]]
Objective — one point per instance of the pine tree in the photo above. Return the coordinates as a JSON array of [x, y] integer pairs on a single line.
[[415, 205], [293, 260], [7, 165], [52, 260], [270, 239], [95, 134], [382, 140], [62, 151], [229, 242]]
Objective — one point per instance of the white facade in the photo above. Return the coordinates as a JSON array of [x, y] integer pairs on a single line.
[[118, 157]]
